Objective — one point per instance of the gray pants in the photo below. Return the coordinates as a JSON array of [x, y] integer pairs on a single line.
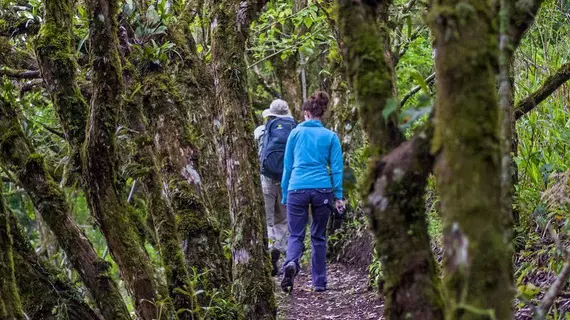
[[276, 214]]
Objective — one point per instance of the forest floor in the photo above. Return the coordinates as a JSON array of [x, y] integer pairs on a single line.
[[347, 297]]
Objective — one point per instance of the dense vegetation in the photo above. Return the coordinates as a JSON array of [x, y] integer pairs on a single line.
[[129, 177]]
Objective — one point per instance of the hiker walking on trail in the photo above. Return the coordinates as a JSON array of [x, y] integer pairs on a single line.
[[271, 138], [312, 177]]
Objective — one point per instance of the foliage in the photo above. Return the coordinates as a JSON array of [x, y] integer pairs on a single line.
[[309, 37]]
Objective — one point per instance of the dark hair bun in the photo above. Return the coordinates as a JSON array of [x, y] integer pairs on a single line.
[[320, 98], [317, 104]]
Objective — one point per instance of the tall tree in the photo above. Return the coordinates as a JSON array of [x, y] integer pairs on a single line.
[[478, 260], [396, 185], [163, 218], [105, 195], [252, 281], [177, 152]]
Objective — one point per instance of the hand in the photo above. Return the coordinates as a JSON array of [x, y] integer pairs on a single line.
[[339, 204]]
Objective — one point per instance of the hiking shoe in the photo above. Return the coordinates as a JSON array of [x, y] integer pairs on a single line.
[[275, 254], [320, 289], [288, 277]]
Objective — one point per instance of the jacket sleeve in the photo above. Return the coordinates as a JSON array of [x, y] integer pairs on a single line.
[[287, 166], [337, 167]]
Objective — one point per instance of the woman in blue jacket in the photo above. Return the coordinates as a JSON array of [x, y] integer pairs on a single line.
[[312, 176]]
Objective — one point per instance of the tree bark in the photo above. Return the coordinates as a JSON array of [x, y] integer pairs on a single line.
[[253, 285], [55, 53], [286, 71], [17, 154], [394, 201], [370, 74], [506, 105], [106, 199], [197, 91], [515, 19], [45, 292], [478, 256], [10, 305], [175, 141], [163, 218]]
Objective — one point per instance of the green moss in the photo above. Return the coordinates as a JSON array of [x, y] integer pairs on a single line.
[[468, 168], [10, 305]]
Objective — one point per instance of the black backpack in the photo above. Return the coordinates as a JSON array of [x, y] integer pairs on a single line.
[[273, 148]]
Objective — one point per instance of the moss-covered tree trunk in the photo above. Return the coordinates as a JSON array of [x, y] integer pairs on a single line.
[[10, 305], [45, 292], [163, 218], [397, 182], [175, 139], [253, 284], [478, 253], [17, 155], [106, 198], [55, 52], [201, 125]]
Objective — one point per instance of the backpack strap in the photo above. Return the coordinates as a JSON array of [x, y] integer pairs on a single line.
[[268, 126]]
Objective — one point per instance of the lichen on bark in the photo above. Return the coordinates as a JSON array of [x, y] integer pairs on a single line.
[[253, 285], [178, 159], [161, 211]]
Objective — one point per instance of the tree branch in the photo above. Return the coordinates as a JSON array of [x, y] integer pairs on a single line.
[[551, 84], [522, 18], [554, 290], [429, 80], [20, 74], [266, 85]]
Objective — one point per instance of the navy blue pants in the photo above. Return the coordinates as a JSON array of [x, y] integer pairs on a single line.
[[298, 202]]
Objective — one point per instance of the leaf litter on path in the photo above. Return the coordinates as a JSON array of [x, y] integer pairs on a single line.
[[347, 297]]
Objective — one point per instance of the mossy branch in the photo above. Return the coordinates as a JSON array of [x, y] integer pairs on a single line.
[[397, 181], [19, 74], [100, 161], [430, 80], [551, 84]]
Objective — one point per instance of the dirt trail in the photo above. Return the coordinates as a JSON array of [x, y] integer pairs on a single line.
[[347, 297]]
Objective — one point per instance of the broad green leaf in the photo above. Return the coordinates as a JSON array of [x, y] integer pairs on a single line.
[[308, 21], [420, 80], [152, 15]]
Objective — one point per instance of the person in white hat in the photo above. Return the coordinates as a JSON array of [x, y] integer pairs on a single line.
[[271, 138]]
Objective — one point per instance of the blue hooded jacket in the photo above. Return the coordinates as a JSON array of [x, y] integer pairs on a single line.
[[313, 160]]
